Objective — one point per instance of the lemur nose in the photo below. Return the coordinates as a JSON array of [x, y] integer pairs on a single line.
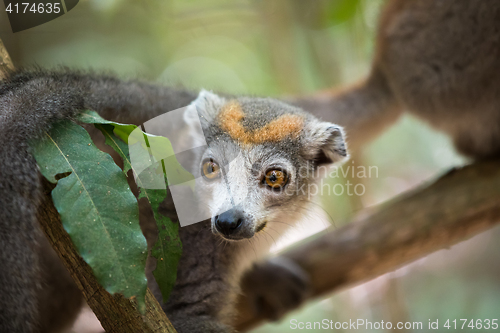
[[228, 222]]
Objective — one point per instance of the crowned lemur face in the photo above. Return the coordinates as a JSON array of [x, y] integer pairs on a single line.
[[261, 159]]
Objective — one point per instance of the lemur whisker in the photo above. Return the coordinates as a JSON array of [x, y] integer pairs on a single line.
[[253, 249], [315, 213], [266, 233], [328, 214], [288, 224], [258, 236]]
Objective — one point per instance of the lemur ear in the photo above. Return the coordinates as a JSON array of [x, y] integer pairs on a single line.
[[199, 114], [206, 105], [324, 143]]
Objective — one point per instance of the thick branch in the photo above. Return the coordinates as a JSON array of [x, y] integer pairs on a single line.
[[459, 205], [116, 313]]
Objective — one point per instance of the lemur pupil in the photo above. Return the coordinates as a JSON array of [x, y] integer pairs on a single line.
[[210, 170], [275, 178]]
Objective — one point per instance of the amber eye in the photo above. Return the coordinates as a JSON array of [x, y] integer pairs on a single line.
[[210, 170], [276, 179]]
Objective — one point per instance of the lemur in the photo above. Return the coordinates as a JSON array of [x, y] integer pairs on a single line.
[[440, 61], [272, 140]]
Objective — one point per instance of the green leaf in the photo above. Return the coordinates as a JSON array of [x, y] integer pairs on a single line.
[[340, 11], [97, 208], [118, 145], [121, 130], [162, 149], [168, 248], [159, 146]]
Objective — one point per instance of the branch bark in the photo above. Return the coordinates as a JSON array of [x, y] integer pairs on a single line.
[[459, 205], [116, 313]]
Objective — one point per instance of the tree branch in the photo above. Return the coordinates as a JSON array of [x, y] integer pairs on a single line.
[[459, 205], [116, 313]]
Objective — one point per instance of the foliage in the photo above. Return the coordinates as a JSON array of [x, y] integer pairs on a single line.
[[168, 248], [99, 211], [107, 236]]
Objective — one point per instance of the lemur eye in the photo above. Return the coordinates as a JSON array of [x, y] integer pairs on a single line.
[[210, 170], [276, 178]]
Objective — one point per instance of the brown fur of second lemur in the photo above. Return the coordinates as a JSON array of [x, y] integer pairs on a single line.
[[440, 61]]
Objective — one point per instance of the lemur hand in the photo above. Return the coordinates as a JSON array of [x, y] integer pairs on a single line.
[[275, 287]]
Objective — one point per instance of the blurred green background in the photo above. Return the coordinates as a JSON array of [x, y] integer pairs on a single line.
[[279, 48]]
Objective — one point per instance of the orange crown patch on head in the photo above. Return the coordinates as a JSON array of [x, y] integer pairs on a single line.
[[230, 118]]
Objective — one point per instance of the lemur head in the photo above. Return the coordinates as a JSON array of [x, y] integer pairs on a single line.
[[261, 158]]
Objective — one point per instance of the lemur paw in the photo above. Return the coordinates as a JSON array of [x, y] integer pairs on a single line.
[[275, 287]]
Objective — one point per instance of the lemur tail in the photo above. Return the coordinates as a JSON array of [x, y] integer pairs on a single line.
[[364, 110], [25, 113]]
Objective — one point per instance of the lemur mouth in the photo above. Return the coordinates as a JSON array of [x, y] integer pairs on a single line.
[[233, 238], [261, 227]]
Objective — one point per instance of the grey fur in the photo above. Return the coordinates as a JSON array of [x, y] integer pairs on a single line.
[[209, 277], [210, 268], [440, 60], [275, 287]]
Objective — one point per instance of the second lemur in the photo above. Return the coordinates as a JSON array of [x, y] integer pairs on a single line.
[[269, 144], [438, 60]]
